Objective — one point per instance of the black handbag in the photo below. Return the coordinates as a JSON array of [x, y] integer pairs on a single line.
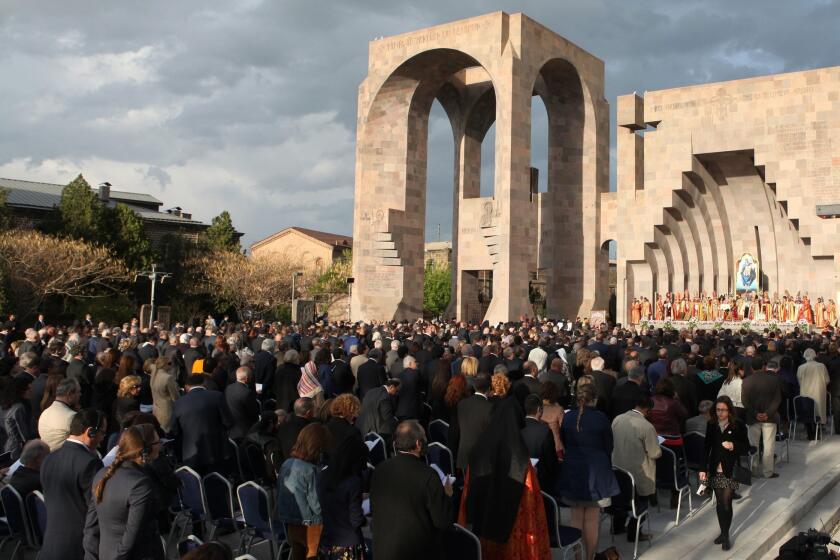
[[741, 474]]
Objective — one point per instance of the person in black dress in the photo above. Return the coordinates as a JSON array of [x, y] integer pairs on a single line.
[[726, 441]]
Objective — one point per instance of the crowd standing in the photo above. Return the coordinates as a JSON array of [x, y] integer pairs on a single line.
[[98, 417]]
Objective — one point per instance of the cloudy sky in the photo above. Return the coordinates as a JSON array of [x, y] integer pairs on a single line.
[[250, 106]]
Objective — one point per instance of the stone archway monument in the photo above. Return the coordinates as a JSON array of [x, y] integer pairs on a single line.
[[483, 70]]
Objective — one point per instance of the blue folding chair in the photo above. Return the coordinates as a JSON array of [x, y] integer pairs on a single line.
[[188, 545], [564, 539], [805, 411], [254, 504], [376, 448], [193, 500], [16, 519], [461, 544], [37, 512], [218, 491], [438, 432], [440, 455]]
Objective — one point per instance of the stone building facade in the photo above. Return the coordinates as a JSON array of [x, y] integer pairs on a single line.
[[704, 174]]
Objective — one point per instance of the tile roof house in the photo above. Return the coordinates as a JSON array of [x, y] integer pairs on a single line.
[[314, 248]]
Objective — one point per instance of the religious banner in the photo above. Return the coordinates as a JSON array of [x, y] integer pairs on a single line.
[[597, 318], [746, 274]]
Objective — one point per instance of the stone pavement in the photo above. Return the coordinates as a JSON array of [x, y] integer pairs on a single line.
[[805, 495]]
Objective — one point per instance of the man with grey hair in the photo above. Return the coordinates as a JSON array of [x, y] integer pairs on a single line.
[[54, 423], [409, 400], [286, 380], [813, 382], [529, 379], [243, 409], [698, 423], [392, 355], [27, 477], [684, 388], [29, 363], [265, 364]]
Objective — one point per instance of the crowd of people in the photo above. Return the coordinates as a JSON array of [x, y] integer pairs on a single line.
[[97, 417], [753, 306]]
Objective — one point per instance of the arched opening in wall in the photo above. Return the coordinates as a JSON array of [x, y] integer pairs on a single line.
[[539, 145], [557, 131], [439, 180], [609, 250], [488, 163]]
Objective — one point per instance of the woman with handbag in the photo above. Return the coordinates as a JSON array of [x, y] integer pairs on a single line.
[[726, 442]]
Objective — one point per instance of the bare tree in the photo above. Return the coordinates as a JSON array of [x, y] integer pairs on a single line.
[[257, 284], [39, 266]]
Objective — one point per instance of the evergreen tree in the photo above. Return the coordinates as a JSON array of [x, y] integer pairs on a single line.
[[221, 235], [81, 214], [129, 241]]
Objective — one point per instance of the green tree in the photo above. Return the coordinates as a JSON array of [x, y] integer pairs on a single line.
[[5, 217], [128, 239], [81, 214], [437, 285], [221, 235]]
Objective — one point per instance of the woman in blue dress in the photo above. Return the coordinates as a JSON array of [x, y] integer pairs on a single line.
[[587, 481]]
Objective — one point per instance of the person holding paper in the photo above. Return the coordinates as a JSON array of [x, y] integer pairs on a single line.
[[411, 508], [636, 449]]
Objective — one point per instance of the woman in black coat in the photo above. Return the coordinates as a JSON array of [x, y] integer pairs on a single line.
[[121, 517], [726, 441]]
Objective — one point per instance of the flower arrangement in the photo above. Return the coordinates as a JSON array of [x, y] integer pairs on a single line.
[[668, 325], [644, 324], [745, 324], [692, 323], [718, 325], [773, 326], [804, 326]]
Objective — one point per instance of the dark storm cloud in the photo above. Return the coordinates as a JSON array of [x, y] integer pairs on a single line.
[[251, 105]]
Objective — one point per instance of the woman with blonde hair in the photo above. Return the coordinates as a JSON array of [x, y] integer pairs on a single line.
[[128, 397], [164, 392], [121, 518], [469, 369]]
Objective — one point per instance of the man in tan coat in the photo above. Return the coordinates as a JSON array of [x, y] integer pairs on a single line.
[[813, 382], [636, 449]]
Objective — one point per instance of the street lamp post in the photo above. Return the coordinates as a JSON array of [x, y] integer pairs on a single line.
[[153, 275]]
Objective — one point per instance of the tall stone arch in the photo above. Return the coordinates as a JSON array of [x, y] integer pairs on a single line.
[[482, 70]]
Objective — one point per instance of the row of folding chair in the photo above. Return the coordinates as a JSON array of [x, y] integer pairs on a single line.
[[24, 521], [209, 500]]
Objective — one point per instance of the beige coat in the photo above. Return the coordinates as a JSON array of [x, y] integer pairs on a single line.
[[636, 449], [813, 382], [164, 394]]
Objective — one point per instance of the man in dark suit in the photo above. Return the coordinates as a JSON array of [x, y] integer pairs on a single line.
[[264, 366], [27, 477], [377, 414], [604, 383], [489, 360], [146, 350], [626, 395], [287, 433], [529, 380], [341, 378], [408, 403], [404, 487], [286, 380], [66, 478], [513, 364], [371, 374], [77, 369], [173, 351], [241, 403], [473, 418], [198, 426], [540, 442]]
